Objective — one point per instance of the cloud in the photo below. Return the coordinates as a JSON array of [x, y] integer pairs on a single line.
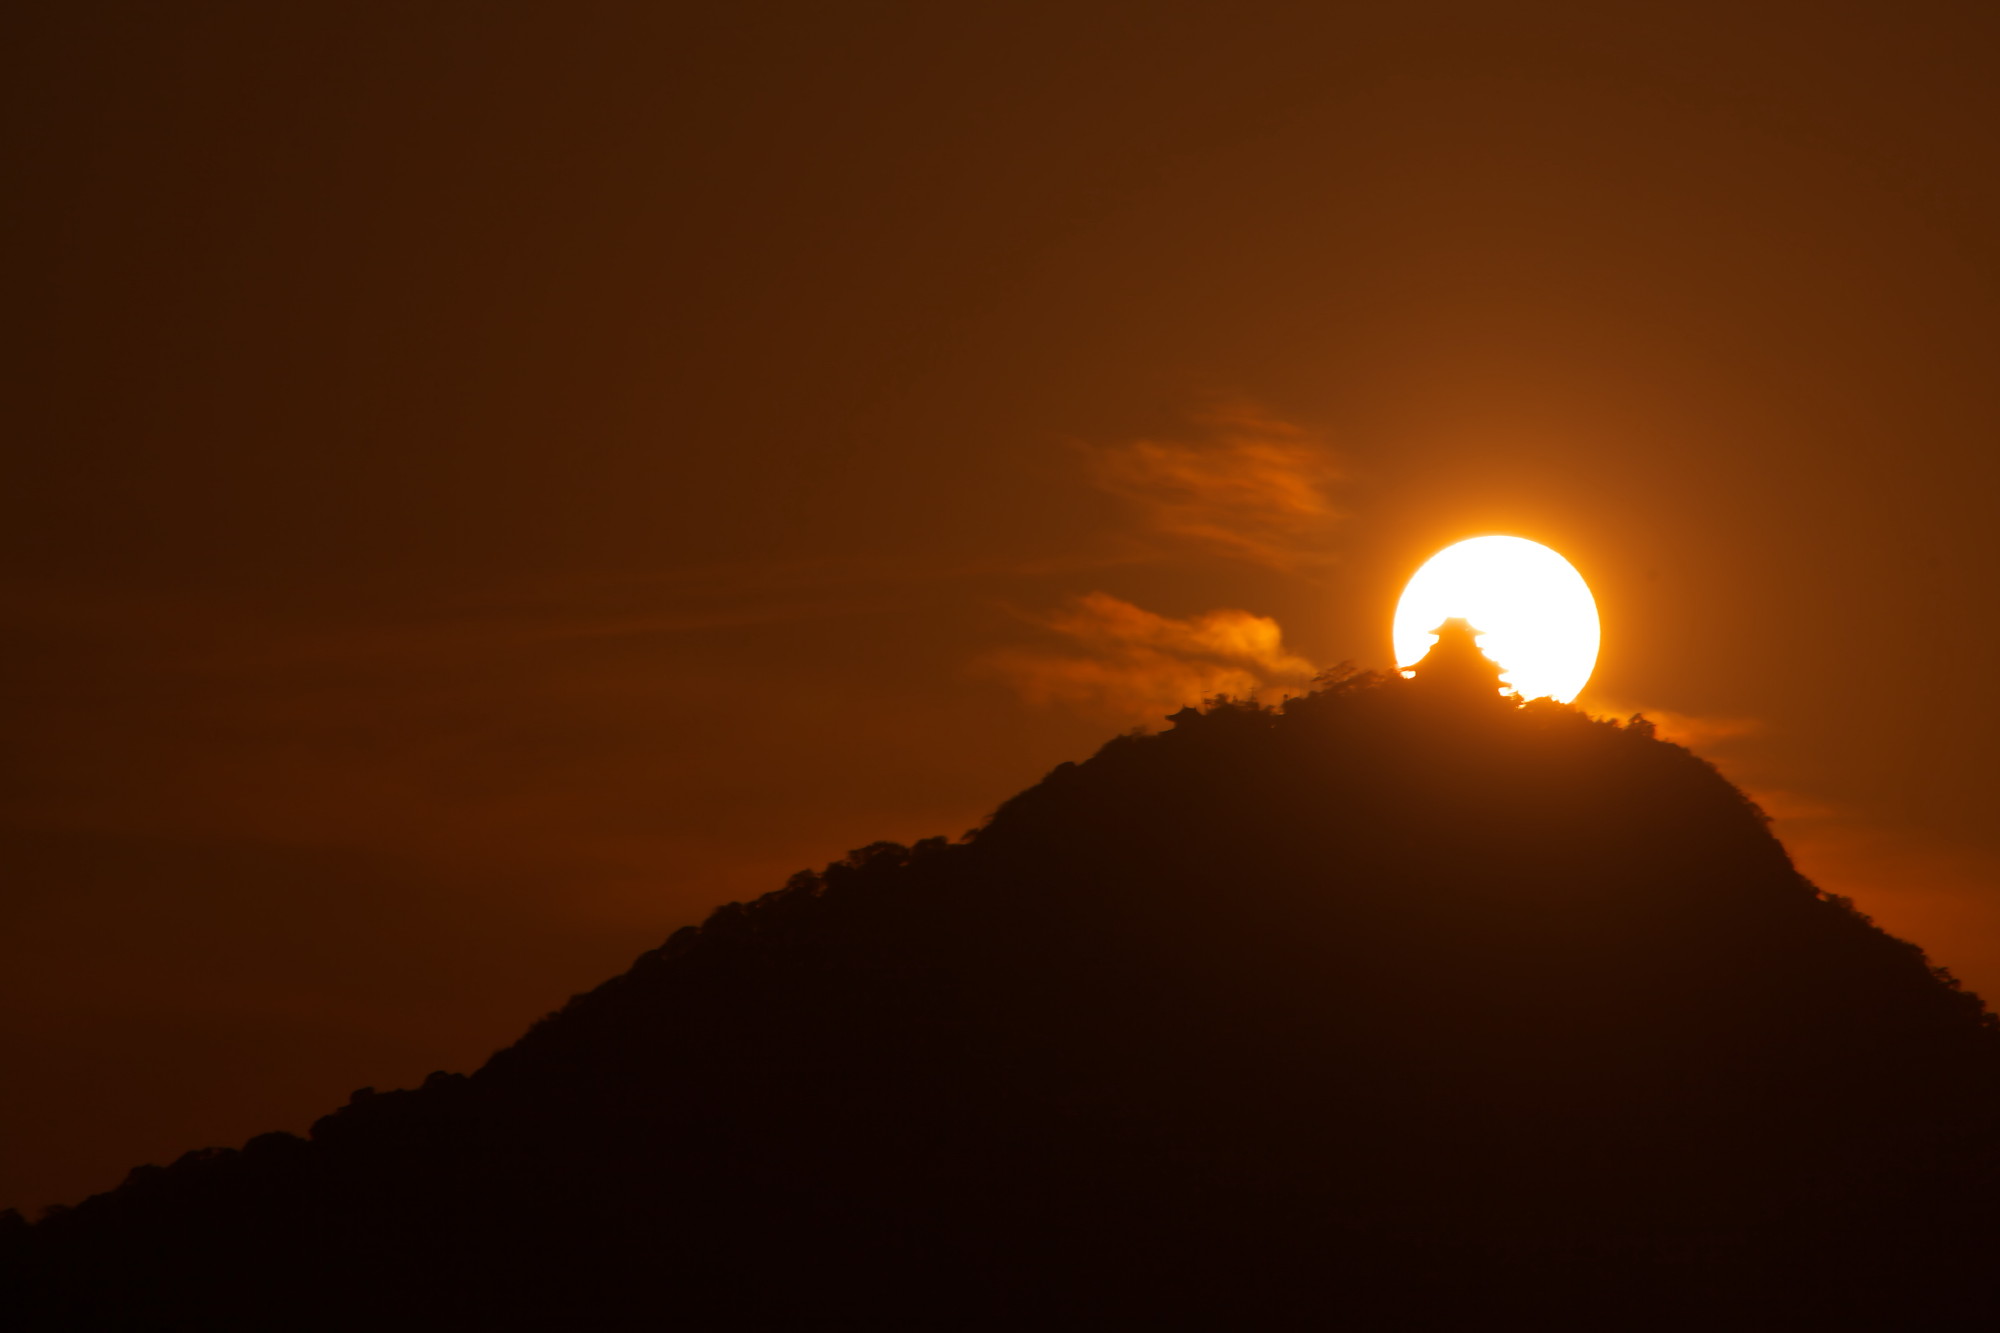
[[1693, 730], [1254, 490], [1126, 661]]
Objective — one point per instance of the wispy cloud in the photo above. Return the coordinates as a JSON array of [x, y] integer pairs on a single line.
[[479, 621], [1125, 661], [1254, 488], [1697, 731]]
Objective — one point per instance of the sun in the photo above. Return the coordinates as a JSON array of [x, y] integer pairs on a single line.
[[1538, 618]]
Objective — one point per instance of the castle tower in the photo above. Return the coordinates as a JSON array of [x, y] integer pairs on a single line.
[[1455, 667]]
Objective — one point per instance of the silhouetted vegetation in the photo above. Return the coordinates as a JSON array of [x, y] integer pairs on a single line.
[[1361, 1010]]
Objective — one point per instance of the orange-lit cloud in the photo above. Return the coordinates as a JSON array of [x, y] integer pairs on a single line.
[[1256, 489], [1125, 661], [1690, 729]]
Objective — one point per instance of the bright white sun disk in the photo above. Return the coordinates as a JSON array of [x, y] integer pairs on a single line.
[[1538, 618]]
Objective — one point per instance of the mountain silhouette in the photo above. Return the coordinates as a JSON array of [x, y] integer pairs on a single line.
[[1385, 1008]]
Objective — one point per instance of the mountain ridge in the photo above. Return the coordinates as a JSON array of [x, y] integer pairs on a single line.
[[1375, 1004]]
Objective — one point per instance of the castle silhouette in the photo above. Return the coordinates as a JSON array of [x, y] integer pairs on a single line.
[[1455, 666]]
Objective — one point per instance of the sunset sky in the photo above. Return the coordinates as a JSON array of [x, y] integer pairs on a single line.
[[490, 482]]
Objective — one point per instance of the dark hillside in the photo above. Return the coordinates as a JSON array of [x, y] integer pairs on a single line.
[[1382, 1009]]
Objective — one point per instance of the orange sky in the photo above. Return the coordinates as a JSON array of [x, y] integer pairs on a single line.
[[495, 480]]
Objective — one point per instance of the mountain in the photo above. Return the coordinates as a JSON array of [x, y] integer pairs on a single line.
[[1391, 1007]]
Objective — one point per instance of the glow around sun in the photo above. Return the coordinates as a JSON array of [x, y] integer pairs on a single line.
[[1538, 618]]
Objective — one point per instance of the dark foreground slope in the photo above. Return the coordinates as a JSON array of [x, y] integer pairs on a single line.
[[1376, 1011]]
